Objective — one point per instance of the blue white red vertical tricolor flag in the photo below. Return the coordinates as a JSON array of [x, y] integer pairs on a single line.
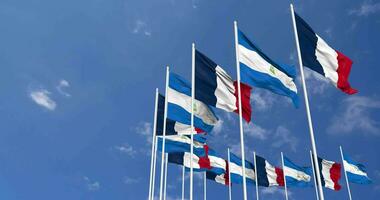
[[330, 173], [320, 57], [267, 174], [215, 87], [257, 69], [179, 105], [295, 175], [356, 172]]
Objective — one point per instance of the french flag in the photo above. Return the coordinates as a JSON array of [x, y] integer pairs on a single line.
[[267, 174], [320, 57], [179, 105], [219, 178], [330, 173], [172, 127], [215, 87]]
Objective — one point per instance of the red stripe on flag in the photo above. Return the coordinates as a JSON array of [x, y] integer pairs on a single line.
[[245, 100], [226, 174], [198, 130], [344, 68], [335, 175], [204, 161], [280, 176]]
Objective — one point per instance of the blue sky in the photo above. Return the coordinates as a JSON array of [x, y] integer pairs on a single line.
[[77, 88]]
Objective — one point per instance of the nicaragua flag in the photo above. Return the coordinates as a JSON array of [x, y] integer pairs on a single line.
[[320, 57], [267, 174], [172, 127], [356, 172], [179, 105], [236, 170], [182, 143], [257, 69], [215, 87], [297, 176], [330, 173]]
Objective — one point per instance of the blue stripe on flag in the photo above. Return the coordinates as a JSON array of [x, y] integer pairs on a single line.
[[205, 79]]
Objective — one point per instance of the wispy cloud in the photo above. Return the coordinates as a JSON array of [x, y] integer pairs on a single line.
[[283, 137], [218, 127], [126, 149], [316, 83], [91, 185], [262, 100], [130, 180], [365, 9], [61, 86], [355, 114], [42, 98], [255, 131], [141, 27], [145, 129], [274, 190]]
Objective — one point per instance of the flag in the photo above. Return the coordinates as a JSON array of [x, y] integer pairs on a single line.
[[172, 127], [182, 143], [257, 69], [236, 170], [330, 173], [219, 178], [179, 105], [320, 57], [295, 175], [356, 172], [268, 175], [215, 87], [183, 158]]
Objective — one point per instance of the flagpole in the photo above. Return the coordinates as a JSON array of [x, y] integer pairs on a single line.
[[240, 112], [183, 182], [314, 148], [229, 175], [257, 178], [283, 170], [345, 173], [204, 186], [192, 117], [164, 132], [154, 167], [315, 181], [166, 174], [153, 145]]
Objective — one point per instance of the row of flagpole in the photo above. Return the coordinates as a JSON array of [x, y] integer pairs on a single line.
[[313, 153]]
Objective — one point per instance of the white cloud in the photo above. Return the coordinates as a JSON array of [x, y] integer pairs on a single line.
[[91, 185], [130, 180], [356, 115], [60, 87], [41, 97], [274, 190], [262, 100], [283, 137], [126, 149], [366, 8], [218, 127], [145, 129], [141, 27], [316, 83], [255, 131]]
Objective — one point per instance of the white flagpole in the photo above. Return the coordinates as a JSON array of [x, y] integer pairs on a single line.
[[204, 186], [153, 145], [240, 111], [313, 145], [345, 173], [183, 182], [154, 167], [164, 133], [166, 174], [283, 169], [192, 117], [257, 180], [229, 175], [315, 181]]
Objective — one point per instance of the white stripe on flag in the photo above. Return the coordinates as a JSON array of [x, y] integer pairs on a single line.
[[271, 174], [236, 169], [200, 109], [225, 91], [353, 169], [183, 129], [186, 160], [217, 162], [328, 58], [326, 166], [182, 139], [253, 60], [220, 179], [298, 175]]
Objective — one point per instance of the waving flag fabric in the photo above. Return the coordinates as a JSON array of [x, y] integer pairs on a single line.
[[330, 173], [215, 87], [236, 170], [268, 175], [257, 69], [219, 178], [172, 127], [182, 143], [297, 176], [179, 105], [320, 57], [356, 172]]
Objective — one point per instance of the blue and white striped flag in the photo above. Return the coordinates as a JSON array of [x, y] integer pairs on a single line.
[[356, 172]]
